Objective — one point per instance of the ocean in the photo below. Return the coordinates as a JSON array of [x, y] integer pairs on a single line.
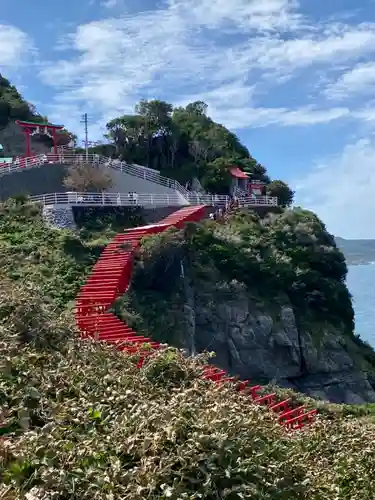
[[361, 284]]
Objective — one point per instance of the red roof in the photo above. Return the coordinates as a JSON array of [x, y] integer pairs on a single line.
[[236, 172], [23, 123]]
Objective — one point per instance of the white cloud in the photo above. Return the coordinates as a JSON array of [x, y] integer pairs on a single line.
[[330, 46], [109, 4], [359, 80], [341, 190], [183, 50], [262, 117], [14, 46], [244, 15]]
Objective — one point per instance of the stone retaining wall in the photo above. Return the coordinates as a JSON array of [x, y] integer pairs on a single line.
[[59, 217]]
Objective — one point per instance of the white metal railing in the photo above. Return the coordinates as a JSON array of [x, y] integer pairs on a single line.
[[144, 200], [136, 171], [108, 199], [72, 158], [250, 201]]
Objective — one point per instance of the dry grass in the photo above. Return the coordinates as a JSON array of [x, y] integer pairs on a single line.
[[79, 421]]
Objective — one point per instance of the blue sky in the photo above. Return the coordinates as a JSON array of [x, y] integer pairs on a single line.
[[295, 80]]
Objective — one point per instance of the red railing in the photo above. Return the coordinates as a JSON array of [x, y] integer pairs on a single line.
[[111, 277]]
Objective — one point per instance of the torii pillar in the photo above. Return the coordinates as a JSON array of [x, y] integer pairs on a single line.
[[32, 128]]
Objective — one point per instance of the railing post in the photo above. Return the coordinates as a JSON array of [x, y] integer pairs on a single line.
[[103, 200]]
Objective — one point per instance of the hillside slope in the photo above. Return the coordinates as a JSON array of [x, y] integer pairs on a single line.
[[14, 107], [80, 421]]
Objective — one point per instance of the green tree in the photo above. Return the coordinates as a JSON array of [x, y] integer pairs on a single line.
[[197, 107], [182, 143], [14, 107], [156, 113], [128, 134], [216, 177], [282, 191]]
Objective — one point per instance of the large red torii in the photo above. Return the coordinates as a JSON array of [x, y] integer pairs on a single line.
[[33, 128]]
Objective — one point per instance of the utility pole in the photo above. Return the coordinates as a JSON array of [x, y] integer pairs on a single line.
[[85, 122]]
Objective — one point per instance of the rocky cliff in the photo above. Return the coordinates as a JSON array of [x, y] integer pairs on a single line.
[[251, 342], [258, 329]]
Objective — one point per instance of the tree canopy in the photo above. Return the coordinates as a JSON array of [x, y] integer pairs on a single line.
[[14, 107], [184, 143]]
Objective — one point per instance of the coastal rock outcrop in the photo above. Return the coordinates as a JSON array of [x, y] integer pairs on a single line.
[[266, 294], [253, 344]]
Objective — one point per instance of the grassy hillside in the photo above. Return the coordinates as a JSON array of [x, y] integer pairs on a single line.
[[79, 421], [57, 261]]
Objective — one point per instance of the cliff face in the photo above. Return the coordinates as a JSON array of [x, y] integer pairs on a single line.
[[252, 343], [259, 328], [258, 344]]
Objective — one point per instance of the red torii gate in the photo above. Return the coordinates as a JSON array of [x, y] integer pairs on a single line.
[[33, 128]]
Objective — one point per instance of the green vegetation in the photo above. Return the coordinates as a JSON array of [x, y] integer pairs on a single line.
[[283, 258], [14, 107], [79, 421], [58, 261], [184, 143]]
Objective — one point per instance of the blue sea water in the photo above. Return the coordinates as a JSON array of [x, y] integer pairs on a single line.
[[361, 284]]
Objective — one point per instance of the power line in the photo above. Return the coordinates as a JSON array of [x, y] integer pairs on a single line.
[[85, 122]]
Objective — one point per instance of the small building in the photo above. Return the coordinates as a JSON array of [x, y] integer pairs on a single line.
[[240, 182], [243, 185], [256, 188]]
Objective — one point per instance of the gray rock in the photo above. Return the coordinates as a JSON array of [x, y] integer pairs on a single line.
[[59, 217], [249, 342]]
